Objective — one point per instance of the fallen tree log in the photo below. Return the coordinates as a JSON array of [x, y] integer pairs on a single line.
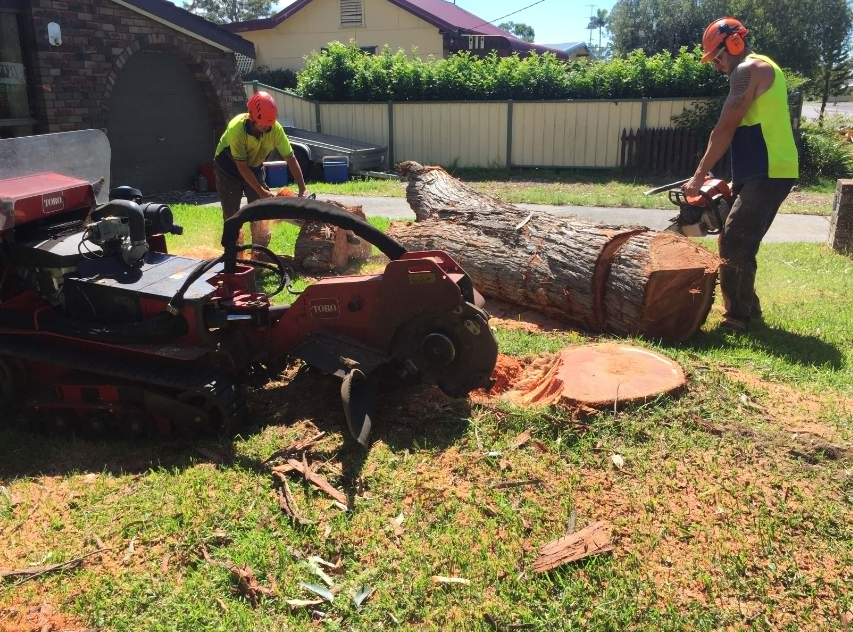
[[618, 279]]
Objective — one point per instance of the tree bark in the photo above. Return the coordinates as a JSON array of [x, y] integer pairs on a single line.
[[618, 279], [323, 248]]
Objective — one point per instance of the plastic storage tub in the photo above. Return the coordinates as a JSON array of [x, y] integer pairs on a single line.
[[278, 174], [336, 168]]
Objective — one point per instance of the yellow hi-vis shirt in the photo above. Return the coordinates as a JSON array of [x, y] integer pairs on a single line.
[[241, 145]]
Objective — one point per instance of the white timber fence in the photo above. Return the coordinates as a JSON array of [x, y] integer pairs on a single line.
[[489, 134]]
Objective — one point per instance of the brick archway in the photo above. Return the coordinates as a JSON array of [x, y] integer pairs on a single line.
[[158, 42]]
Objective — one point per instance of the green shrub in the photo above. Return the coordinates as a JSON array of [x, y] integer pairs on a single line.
[[344, 73], [824, 154], [283, 78]]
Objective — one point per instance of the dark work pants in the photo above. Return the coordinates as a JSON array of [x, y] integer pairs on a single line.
[[756, 204], [231, 191]]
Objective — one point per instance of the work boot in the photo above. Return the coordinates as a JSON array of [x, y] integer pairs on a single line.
[[734, 325]]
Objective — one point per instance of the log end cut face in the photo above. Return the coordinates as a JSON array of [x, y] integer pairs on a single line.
[[600, 375]]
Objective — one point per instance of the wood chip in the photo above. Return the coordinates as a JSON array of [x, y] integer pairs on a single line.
[[590, 540], [439, 579], [541, 447], [164, 566], [317, 480], [295, 448], [523, 438], [129, 551], [288, 504], [221, 605], [522, 483], [247, 584]]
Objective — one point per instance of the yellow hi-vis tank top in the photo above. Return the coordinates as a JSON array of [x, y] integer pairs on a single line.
[[763, 145]]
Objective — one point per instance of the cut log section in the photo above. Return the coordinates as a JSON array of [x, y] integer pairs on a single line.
[[617, 279], [324, 248]]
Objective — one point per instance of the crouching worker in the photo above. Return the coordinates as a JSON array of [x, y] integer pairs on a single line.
[[247, 142]]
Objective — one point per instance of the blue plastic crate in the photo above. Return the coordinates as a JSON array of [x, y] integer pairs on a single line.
[[278, 174], [336, 168]]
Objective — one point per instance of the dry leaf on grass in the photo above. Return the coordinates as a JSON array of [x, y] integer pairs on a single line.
[[397, 523]]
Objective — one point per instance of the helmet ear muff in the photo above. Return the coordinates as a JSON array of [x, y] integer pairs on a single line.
[[735, 44]]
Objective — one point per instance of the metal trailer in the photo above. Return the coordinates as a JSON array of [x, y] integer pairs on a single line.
[[364, 158]]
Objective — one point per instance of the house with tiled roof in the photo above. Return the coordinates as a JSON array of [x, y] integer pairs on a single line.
[[434, 27]]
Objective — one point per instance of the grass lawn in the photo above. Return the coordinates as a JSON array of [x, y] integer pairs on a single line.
[[574, 188], [734, 507]]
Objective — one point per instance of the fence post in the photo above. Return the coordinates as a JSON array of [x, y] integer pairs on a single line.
[[644, 114], [255, 86], [509, 134], [317, 116], [841, 225], [391, 135]]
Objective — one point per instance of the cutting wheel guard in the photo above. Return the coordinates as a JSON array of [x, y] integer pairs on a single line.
[[288, 208]]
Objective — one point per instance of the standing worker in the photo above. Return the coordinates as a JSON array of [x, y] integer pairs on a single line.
[[756, 124], [247, 142]]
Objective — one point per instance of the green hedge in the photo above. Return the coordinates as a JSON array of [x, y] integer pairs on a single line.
[[825, 153], [344, 73], [283, 78]]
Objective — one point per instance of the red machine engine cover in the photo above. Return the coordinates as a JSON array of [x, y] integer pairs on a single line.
[[29, 198]]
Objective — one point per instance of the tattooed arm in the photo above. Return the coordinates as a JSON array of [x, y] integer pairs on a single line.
[[749, 80]]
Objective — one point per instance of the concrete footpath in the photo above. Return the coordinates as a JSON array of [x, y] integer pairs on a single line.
[[785, 228]]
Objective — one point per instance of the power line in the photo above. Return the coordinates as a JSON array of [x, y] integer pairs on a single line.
[[507, 15], [591, 7]]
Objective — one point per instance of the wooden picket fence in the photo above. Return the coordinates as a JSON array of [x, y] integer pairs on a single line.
[[667, 151]]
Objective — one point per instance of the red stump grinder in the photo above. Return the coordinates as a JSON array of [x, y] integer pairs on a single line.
[[102, 330]]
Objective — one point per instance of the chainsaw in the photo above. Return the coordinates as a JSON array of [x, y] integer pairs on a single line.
[[700, 215]]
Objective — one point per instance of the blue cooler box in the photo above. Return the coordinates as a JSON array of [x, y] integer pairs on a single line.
[[277, 173], [336, 168]]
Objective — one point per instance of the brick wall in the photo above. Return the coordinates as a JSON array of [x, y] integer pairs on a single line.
[[73, 82]]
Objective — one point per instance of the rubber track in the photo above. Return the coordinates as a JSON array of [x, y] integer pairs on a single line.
[[177, 376]]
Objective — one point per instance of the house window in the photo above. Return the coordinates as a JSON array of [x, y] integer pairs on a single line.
[[15, 114], [352, 13]]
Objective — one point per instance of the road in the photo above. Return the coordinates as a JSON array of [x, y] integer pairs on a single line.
[[812, 110], [785, 228]]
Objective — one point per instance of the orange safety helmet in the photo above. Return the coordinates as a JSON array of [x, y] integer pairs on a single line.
[[724, 31], [263, 109]]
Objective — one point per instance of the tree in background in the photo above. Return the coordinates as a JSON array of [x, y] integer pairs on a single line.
[[519, 29], [832, 40], [226, 11], [599, 21], [785, 30]]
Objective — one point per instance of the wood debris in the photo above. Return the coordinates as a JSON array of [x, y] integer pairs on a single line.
[[523, 438], [590, 540], [247, 584], [287, 503], [295, 448], [318, 480], [27, 574], [522, 483]]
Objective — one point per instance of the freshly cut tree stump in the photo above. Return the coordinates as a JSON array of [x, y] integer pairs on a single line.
[[324, 248], [619, 279], [597, 375]]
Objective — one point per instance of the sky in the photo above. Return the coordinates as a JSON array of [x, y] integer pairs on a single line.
[[554, 21]]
